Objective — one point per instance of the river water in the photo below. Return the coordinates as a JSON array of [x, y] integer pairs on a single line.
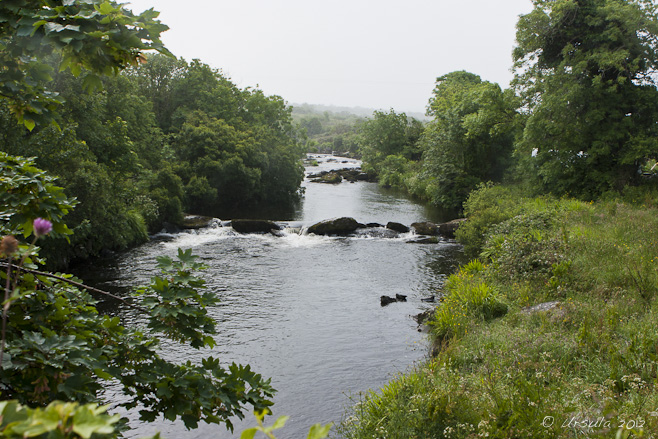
[[303, 309]]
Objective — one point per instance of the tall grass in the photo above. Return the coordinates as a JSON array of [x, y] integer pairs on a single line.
[[587, 367]]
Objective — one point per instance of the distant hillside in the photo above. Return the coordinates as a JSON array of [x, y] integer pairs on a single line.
[[307, 109]]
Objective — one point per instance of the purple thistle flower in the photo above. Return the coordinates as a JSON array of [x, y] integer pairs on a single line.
[[42, 227]]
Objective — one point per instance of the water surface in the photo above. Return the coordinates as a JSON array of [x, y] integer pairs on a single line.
[[302, 309]]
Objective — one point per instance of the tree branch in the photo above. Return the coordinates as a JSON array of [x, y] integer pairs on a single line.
[[79, 285]]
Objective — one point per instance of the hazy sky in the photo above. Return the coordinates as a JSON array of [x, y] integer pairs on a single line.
[[376, 54]]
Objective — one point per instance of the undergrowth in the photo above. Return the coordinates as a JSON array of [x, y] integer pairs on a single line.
[[584, 365]]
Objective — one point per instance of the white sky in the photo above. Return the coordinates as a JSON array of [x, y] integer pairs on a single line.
[[375, 54]]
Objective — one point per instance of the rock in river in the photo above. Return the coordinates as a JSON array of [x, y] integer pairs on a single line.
[[425, 228], [335, 226], [448, 229], [397, 227], [254, 226]]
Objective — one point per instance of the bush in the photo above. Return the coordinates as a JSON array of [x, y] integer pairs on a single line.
[[468, 298]]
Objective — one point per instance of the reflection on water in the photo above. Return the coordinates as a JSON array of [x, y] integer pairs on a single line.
[[304, 309]]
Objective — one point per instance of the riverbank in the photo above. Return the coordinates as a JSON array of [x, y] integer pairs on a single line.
[[583, 365]]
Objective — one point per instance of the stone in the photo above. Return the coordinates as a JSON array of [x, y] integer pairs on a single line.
[[196, 222], [424, 240], [254, 226], [335, 226], [448, 229], [397, 227], [385, 300], [425, 228]]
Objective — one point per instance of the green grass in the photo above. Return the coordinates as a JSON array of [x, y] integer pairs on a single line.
[[593, 359]]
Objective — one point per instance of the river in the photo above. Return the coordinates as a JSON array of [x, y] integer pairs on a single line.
[[303, 309]]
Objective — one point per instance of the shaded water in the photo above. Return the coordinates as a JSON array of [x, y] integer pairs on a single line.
[[304, 309]]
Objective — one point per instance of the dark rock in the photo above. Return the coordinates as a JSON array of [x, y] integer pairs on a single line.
[[374, 225], [335, 226], [448, 229], [196, 222], [400, 297], [254, 226], [425, 228], [397, 227], [424, 240], [385, 300], [329, 178], [361, 226], [377, 232], [424, 316], [427, 299], [169, 228]]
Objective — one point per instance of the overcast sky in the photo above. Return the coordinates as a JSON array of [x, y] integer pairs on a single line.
[[376, 54]]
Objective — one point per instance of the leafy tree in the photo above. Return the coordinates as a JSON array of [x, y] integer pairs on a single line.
[[585, 70], [55, 345], [97, 37], [470, 139], [388, 134]]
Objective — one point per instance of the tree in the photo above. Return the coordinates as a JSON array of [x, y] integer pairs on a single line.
[[470, 139], [586, 73], [388, 134], [56, 346], [97, 37]]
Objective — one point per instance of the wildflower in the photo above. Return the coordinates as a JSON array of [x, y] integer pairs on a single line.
[[8, 246], [42, 227]]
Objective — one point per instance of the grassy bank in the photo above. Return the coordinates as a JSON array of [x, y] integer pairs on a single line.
[[583, 366]]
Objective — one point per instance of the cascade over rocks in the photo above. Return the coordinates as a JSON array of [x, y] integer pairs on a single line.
[[254, 226], [335, 226]]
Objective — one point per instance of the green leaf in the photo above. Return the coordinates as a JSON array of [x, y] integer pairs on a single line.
[[107, 8], [29, 124], [318, 431], [249, 433], [280, 422]]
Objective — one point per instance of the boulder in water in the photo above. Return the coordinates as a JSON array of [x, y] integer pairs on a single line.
[[254, 226], [425, 228], [385, 300], [424, 240], [197, 222], [448, 229], [335, 226], [397, 227]]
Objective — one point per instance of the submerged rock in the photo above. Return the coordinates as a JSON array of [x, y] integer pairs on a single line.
[[254, 226], [385, 300], [335, 226]]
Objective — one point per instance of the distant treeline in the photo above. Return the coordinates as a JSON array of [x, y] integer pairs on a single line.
[[163, 138]]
